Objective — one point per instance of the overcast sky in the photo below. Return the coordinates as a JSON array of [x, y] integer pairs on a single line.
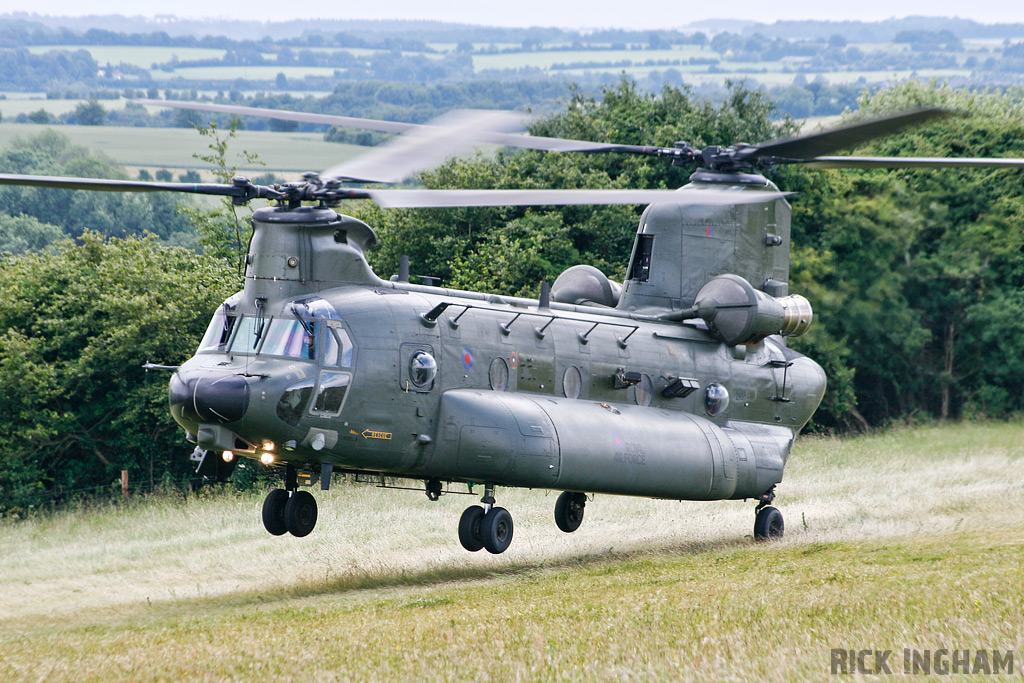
[[639, 14]]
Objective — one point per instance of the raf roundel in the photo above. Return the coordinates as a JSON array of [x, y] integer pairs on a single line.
[[467, 358]]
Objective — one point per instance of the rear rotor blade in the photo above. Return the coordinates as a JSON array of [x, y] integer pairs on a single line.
[[817, 144], [909, 162]]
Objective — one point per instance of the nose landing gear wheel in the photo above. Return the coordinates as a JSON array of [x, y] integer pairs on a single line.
[[569, 511], [496, 530], [300, 513], [273, 512], [469, 528], [768, 525]]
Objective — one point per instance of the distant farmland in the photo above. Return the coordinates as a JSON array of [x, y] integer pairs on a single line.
[[172, 148]]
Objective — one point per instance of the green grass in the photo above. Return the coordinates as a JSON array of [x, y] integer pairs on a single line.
[[908, 538], [173, 148], [12, 107]]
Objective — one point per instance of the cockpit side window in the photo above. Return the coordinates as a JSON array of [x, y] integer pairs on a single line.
[[219, 332], [338, 345], [330, 394]]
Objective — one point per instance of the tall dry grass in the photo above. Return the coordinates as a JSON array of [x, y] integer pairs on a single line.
[[904, 537]]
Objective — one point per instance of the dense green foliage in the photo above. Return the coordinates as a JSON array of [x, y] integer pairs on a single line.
[[76, 325], [21, 233], [113, 214], [23, 70], [918, 274]]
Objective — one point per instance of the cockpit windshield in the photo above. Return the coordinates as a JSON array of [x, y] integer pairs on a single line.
[[247, 338], [300, 331]]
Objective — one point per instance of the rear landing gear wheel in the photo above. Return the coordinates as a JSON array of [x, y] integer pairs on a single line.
[[469, 528], [569, 511], [496, 530], [768, 525], [273, 512], [300, 513]]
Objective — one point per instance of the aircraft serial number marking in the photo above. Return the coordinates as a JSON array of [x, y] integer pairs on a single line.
[[369, 434]]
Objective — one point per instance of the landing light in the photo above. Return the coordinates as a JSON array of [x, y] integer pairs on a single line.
[[267, 458], [228, 456], [268, 445]]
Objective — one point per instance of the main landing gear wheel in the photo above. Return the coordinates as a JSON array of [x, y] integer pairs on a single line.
[[469, 528], [768, 525], [300, 513], [496, 530], [487, 526], [273, 512], [569, 511]]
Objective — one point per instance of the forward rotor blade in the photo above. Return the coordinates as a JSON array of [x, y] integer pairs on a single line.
[[818, 144], [282, 115], [465, 198], [501, 138], [247, 191], [909, 162], [424, 147]]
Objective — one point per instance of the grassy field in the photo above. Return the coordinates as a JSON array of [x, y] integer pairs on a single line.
[[911, 538], [22, 105], [172, 148]]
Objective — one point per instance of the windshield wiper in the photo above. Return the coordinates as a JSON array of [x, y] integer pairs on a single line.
[[260, 323]]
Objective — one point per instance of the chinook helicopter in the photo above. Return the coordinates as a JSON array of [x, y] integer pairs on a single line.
[[675, 384]]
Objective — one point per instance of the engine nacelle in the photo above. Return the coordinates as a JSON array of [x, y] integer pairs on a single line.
[[584, 285], [740, 314]]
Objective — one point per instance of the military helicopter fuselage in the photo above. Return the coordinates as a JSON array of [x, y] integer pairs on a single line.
[[676, 384], [319, 365]]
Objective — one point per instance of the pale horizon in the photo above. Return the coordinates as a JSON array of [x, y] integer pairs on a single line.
[[643, 14]]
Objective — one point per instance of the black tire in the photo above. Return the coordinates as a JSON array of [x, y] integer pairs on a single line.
[[496, 530], [469, 528], [273, 512], [768, 525], [569, 511], [300, 513]]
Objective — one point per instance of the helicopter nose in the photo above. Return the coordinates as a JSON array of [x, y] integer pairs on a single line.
[[205, 398]]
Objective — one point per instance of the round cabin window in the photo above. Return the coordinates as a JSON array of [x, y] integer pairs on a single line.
[[716, 399], [422, 369]]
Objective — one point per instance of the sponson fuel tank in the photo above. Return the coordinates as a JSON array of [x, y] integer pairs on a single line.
[[578, 445]]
